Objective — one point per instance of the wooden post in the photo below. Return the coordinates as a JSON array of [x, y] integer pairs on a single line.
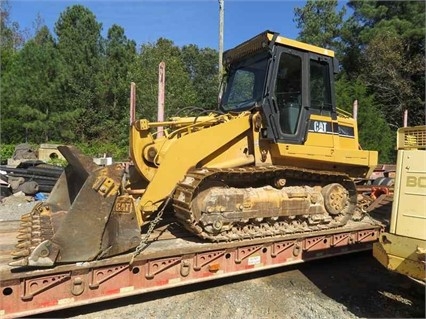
[[405, 118], [355, 110], [132, 102], [161, 90]]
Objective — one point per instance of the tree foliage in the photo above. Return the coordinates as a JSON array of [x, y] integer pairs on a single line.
[[373, 130], [33, 80], [113, 90], [202, 67], [320, 22], [392, 76], [72, 86], [388, 43], [79, 46]]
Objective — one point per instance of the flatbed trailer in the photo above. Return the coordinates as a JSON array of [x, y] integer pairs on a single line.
[[173, 258]]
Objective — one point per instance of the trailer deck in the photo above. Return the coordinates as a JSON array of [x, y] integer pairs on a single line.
[[166, 262]]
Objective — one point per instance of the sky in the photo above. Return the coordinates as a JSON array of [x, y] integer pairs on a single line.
[[183, 22]]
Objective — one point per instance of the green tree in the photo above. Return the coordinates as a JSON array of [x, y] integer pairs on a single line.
[[393, 76], [374, 132], [120, 54], [351, 57], [79, 45], [320, 23], [12, 38], [388, 41], [202, 67], [31, 101]]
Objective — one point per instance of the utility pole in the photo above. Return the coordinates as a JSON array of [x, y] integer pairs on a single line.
[[221, 20]]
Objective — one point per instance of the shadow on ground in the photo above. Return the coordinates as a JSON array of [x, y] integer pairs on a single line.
[[365, 288]]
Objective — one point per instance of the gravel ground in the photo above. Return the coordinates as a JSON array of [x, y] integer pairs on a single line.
[[351, 286], [13, 207]]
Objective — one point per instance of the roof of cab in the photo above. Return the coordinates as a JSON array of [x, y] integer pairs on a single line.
[[263, 40], [300, 45]]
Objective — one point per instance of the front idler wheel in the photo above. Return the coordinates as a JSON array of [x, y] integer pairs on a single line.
[[336, 199]]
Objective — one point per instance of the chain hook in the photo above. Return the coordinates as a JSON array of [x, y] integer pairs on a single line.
[[144, 240]]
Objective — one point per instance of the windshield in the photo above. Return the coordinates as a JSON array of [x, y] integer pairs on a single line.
[[243, 85]]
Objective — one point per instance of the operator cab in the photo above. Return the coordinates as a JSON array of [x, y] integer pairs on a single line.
[[287, 79]]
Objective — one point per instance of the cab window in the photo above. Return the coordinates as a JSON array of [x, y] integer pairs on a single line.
[[319, 86], [244, 84], [288, 91]]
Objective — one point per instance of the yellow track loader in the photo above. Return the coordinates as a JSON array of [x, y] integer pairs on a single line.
[[275, 159]]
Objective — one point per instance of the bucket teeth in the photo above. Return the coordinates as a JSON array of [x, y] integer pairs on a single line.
[[29, 233], [25, 230], [33, 235], [33, 227], [26, 216], [32, 240], [23, 244], [19, 262], [26, 224], [26, 236], [34, 218], [36, 227], [26, 220], [32, 223], [28, 243], [21, 253]]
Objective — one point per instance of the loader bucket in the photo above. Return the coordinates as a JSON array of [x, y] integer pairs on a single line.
[[78, 221]]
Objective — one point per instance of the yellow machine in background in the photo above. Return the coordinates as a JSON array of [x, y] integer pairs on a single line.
[[276, 158], [403, 248]]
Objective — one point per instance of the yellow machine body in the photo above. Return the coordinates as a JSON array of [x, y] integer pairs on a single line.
[[229, 141], [403, 248]]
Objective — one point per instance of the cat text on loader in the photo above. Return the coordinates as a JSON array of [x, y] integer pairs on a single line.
[[403, 247], [276, 159]]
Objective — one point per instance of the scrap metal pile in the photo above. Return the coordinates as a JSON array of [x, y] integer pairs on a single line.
[[31, 177]]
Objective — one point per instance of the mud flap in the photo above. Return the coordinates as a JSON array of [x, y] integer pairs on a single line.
[[75, 223]]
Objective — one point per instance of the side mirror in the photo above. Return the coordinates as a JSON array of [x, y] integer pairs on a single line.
[[336, 66]]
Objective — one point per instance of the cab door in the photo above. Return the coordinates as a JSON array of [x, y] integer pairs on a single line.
[[289, 95], [301, 95]]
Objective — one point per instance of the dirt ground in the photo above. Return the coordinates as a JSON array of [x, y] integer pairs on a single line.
[[350, 286]]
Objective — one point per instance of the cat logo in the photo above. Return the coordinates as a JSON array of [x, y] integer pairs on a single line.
[[320, 127]]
